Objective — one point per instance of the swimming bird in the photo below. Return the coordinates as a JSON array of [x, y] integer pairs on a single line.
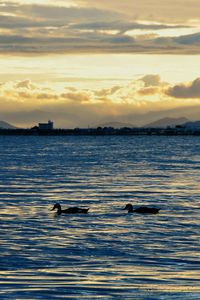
[[70, 210], [141, 209]]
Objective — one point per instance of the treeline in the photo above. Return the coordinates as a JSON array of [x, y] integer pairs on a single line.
[[178, 130]]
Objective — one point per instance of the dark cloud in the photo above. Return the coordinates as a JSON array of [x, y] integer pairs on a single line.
[[170, 11], [63, 15], [94, 42], [19, 22], [78, 44], [41, 29], [121, 26], [71, 17], [191, 90], [192, 39]]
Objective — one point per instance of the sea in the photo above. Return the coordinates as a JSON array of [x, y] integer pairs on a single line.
[[107, 253]]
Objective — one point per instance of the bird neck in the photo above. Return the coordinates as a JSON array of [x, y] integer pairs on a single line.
[[59, 210]]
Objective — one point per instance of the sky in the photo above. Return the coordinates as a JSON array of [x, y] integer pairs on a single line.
[[85, 62]]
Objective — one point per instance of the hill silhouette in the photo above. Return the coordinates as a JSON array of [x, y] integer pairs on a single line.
[[164, 122], [6, 125], [116, 125]]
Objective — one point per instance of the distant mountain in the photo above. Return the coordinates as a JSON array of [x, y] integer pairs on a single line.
[[28, 119], [192, 125], [164, 122], [71, 117], [116, 125], [142, 119], [6, 125]]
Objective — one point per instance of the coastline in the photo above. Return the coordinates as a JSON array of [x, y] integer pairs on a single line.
[[101, 131]]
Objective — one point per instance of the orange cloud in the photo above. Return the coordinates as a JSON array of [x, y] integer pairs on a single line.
[[80, 107], [148, 91]]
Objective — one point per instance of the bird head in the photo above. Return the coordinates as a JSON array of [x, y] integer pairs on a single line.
[[57, 205], [128, 207]]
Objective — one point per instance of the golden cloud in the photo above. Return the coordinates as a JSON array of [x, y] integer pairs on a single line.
[[77, 107], [148, 91]]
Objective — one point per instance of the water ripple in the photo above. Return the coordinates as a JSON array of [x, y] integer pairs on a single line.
[[106, 254]]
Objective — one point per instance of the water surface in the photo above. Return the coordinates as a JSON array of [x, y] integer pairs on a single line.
[[106, 254]]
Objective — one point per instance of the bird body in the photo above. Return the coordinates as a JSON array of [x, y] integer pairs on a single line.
[[142, 209], [70, 210]]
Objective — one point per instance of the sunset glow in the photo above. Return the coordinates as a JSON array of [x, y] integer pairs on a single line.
[[81, 58], [99, 144]]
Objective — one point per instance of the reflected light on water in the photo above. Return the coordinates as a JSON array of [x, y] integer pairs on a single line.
[[107, 253]]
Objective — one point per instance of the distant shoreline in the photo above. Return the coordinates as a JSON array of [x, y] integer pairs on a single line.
[[106, 131]]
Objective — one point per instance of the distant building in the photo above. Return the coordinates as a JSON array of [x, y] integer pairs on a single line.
[[46, 126]]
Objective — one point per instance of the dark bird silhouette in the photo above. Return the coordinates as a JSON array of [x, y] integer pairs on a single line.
[[70, 210], [141, 209]]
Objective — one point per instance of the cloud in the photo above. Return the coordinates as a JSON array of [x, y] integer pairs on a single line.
[[42, 96], [151, 80], [185, 90], [59, 15], [71, 106], [44, 29], [81, 97], [148, 91], [192, 39], [173, 11], [95, 42], [121, 26], [25, 84], [168, 11]]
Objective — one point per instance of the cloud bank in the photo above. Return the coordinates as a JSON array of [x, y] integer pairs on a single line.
[[175, 11], [186, 90], [109, 27], [73, 107]]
